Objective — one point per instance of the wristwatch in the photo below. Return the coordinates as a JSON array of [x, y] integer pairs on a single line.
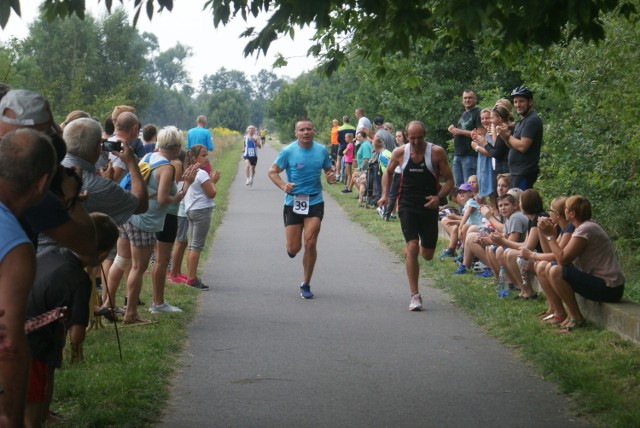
[[549, 238]]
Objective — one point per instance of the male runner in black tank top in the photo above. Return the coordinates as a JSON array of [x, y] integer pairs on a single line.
[[423, 166]]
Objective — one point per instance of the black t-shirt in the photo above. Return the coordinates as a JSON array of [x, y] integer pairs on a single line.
[[527, 163], [468, 121], [60, 281]]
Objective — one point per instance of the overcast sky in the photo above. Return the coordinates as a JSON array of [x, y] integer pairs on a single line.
[[189, 25]]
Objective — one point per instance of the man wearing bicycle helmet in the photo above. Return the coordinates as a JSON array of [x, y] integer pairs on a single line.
[[525, 142]]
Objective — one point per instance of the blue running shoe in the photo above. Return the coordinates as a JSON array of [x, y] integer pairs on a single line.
[[461, 270], [486, 274], [305, 291]]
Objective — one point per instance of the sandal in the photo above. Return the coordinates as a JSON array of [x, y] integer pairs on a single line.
[[553, 319], [137, 321], [572, 325], [544, 314]]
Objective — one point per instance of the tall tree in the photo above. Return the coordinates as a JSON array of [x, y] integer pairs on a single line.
[[230, 109], [516, 23], [169, 66], [225, 79]]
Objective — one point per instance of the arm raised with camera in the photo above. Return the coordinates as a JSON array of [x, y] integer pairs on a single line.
[[138, 185]]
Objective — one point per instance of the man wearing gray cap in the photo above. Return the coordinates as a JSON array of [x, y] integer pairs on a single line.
[[65, 220]]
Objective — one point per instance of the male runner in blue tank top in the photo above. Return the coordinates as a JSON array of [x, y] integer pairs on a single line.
[[423, 166], [304, 160]]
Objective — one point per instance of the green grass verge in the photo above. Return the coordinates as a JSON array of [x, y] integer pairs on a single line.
[[106, 392], [596, 368]]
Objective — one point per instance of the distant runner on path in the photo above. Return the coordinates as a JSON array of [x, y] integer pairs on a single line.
[[303, 160]]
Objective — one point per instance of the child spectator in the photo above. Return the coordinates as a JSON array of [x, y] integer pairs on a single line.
[[484, 166], [199, 207], [450, 222], [471, 217], [514, 229], [494, 222], [348, 154], [531, 206]]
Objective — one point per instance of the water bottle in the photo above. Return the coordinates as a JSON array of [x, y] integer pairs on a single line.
[[522, 264], [503, 287]]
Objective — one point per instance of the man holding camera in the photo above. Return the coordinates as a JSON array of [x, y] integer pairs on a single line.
[[84, 146]]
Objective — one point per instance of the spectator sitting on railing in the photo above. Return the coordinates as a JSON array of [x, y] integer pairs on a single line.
[[471, 218], [532, 207], [474, 246], [515, 227], [555, 312], [587, 265]]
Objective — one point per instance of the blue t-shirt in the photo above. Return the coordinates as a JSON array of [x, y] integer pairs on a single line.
[[365, 152], [199, 135], [304, 168], [475, 217], [11, 233]]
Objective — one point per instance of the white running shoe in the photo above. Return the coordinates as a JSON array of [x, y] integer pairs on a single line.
[[248, 181], [165, 307], [381, 212], [416, 303], [251, 181]]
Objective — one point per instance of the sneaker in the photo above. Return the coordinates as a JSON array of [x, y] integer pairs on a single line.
[[180, 279], [461, 270], [196, 283], [486, 274], [449, 252], [381, 212], [305, 291], [392, 216], [251, 181], [165, 307], [416, 302], [345, 190], [479, 267], [247, 182], [459, 258]]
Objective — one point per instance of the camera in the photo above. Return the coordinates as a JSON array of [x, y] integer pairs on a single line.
[[111, 146]]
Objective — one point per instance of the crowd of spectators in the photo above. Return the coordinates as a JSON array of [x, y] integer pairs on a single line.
[[82, 207]]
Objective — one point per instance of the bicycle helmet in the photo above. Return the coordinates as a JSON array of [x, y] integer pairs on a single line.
[[522, 91]]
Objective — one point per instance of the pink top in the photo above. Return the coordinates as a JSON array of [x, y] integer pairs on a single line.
[[598, 258], [348, 153]]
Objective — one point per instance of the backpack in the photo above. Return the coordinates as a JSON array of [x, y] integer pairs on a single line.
[[145, 170]]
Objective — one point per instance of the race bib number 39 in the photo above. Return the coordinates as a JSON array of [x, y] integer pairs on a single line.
[[301, 204]]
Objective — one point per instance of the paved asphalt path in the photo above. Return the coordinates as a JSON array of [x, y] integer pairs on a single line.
[[260, 356]]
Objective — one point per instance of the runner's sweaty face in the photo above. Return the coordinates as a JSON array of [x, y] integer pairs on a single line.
[[415, 134], [304, 131]]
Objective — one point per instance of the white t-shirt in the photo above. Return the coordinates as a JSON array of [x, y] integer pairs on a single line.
[[363, 122], [196, 199]]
